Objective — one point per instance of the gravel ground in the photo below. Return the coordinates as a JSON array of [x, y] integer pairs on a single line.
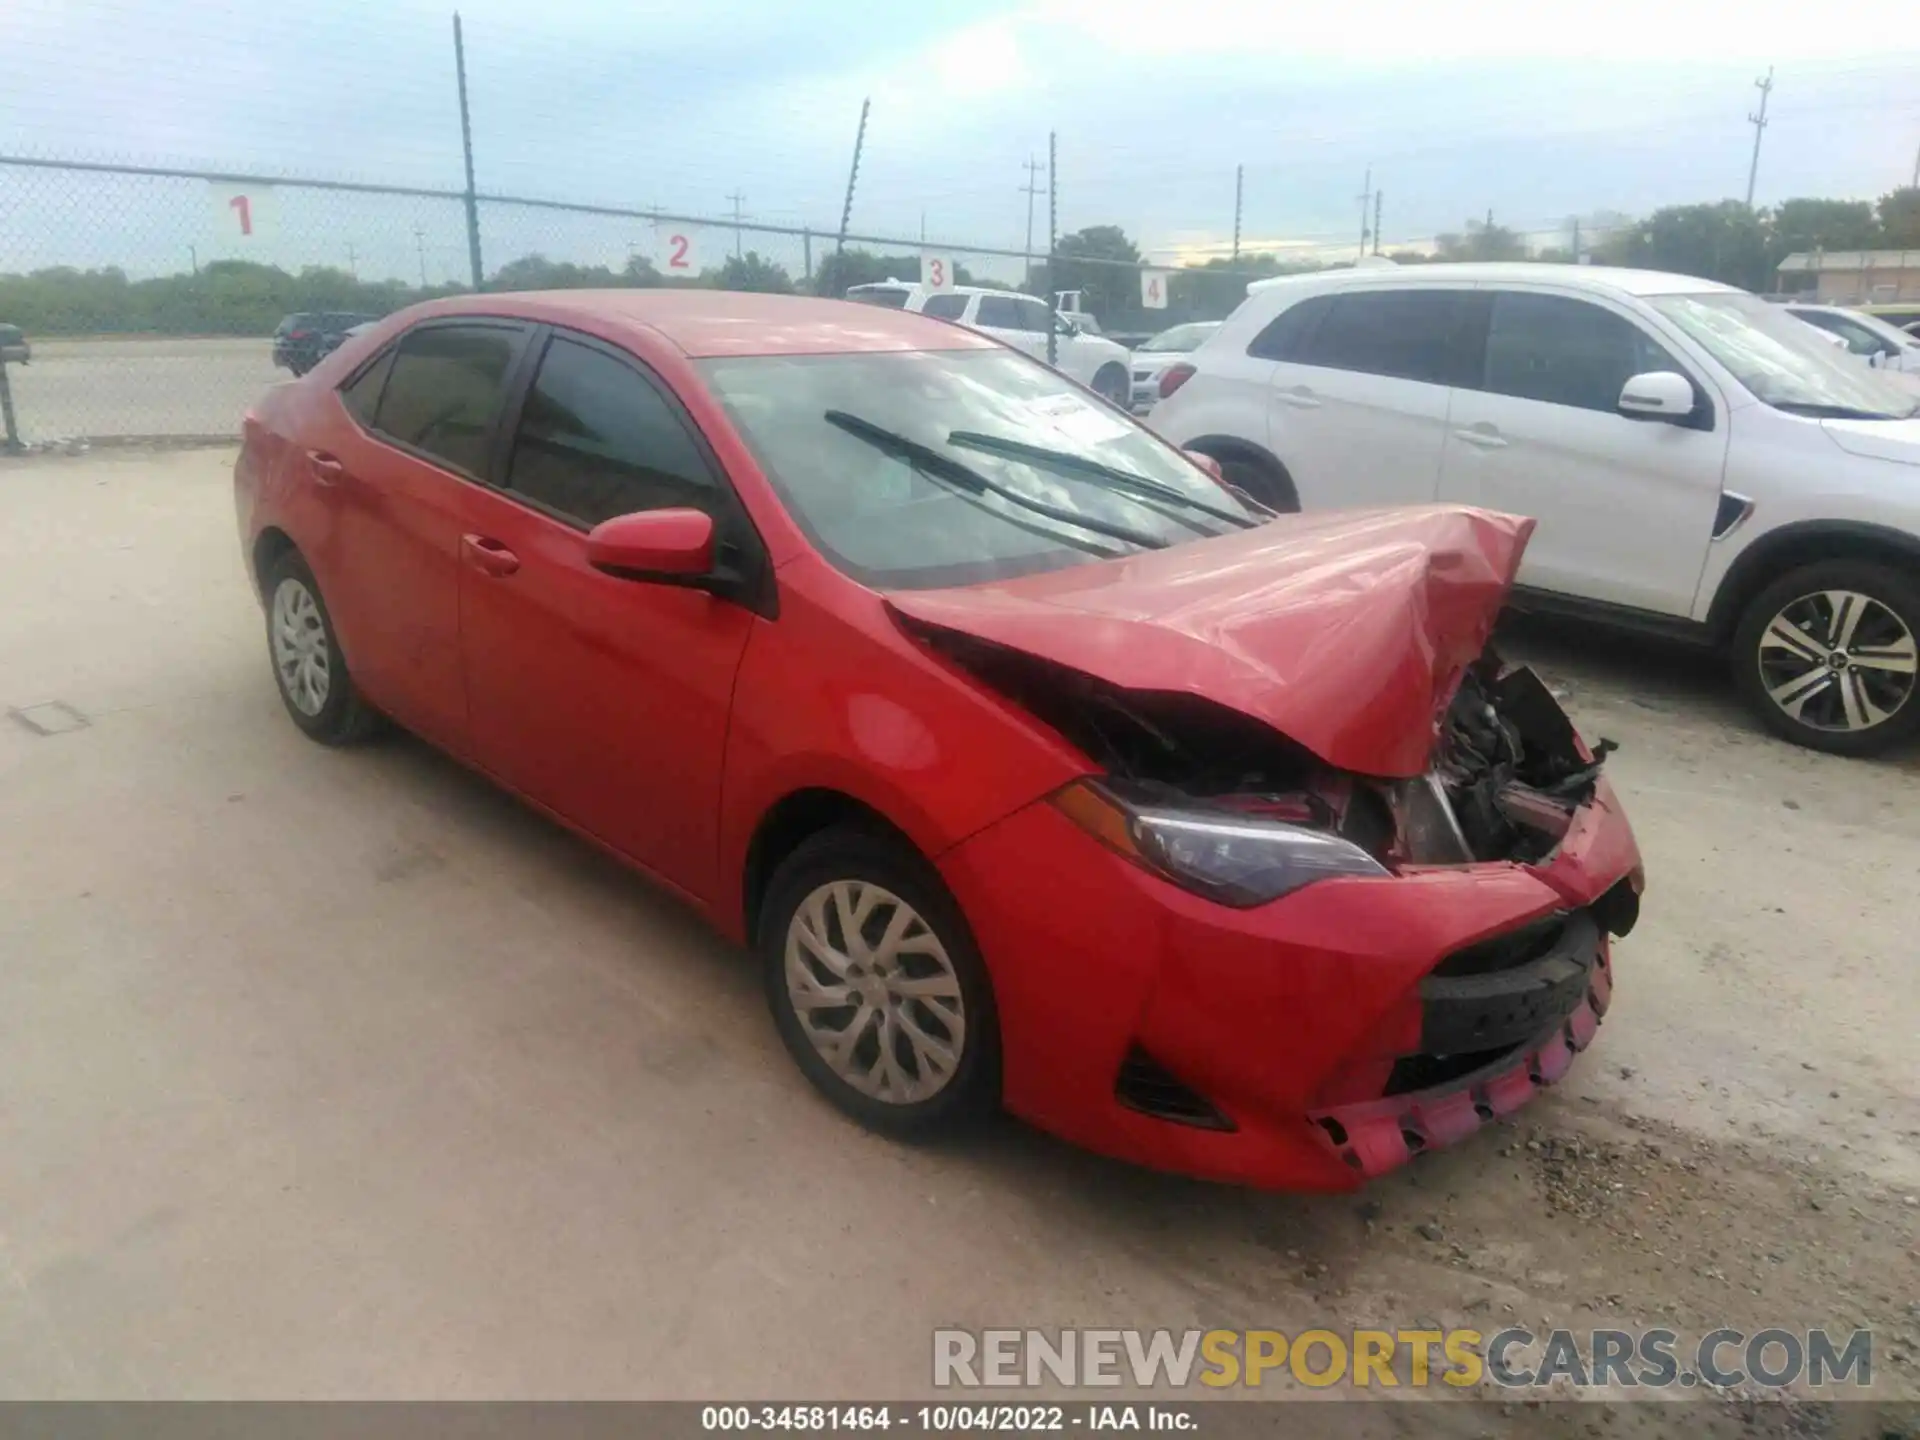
[[339, 1074]]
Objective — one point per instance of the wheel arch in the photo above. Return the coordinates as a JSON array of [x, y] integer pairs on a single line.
[[268, 547], [1233, 447], [790, 822], [1804, 542]]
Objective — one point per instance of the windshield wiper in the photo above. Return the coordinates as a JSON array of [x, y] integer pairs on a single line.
[[1814, 410], [946, 468], [1124, 481]]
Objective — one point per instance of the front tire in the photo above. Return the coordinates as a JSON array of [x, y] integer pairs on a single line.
[[1826, 656], [876, 986], [308, 668]]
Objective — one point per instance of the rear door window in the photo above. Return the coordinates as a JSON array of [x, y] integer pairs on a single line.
[[998, 312], [945, 307], [1407, 334], [1034, 318], [443, 393]]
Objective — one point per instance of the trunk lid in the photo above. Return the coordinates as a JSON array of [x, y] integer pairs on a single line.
[[1347, 632]]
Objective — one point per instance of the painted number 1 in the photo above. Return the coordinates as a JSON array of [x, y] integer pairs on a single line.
[[680, 245], [239, 203]]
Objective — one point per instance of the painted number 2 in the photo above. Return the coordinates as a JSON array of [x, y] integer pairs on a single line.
[[241, 206], [679, 245]]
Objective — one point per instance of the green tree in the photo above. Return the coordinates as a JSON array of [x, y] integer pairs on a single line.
[[1213, 290], [1725, 242], [1111, 290], [1899, 212], [536, 272], [839, 272], [1481, 241], [754, 272], [1807, 224]]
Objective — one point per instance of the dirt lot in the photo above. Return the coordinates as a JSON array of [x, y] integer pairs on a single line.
[[339, 1074], [172, 386]]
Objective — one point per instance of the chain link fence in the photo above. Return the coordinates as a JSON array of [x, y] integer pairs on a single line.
[[149, 298]]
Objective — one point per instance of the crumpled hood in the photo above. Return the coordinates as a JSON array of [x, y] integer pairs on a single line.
[[1897, 440], [1346, 631]]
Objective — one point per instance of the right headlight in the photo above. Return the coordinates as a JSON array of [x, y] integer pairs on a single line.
[[1234, 859]]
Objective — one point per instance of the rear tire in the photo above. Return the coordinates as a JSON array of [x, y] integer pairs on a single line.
[[1112, 384], [914, 1050], [1255, 474], [308, 668], [1825, 656]]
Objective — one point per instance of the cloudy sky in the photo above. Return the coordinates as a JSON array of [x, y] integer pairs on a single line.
[[1536, 111]]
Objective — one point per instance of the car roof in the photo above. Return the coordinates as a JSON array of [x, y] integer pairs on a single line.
[[705, 323], [1586, 277]]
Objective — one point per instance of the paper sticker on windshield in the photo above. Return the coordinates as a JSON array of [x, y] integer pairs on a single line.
[[1086, 421]]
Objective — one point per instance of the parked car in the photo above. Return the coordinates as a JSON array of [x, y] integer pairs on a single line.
[[1872, 339], [14, 349], [1700, 463], [301, 341], [1153, 356], [1018, 320], [1038, 769]]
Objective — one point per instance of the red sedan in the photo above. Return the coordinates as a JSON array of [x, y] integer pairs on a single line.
[[1041, 769]]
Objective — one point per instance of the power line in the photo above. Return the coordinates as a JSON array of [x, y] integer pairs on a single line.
[[1758, 119]]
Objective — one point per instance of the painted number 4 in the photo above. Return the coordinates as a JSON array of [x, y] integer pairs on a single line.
[[1153, 290]]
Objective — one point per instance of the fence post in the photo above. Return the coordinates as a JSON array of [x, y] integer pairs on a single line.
[[806, 253], [466, 147], [13, 445], [1053, 242]]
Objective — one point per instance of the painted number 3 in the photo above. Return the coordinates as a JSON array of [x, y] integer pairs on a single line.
[[938, 270], [240, 206], [680, 245]]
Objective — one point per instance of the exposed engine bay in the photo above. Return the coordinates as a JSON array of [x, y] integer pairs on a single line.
[[1507, 774]]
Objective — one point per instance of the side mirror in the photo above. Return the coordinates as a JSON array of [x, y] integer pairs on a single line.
[[1657, 395], [673, 546], [1208, 464]]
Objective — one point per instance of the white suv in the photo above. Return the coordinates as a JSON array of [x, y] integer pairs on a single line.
[[1700, 463], [1017, 320]]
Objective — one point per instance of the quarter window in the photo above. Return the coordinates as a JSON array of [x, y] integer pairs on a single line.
[[361, 395], [443, 393], [597, 440], [1566, 352], [1287, 333]]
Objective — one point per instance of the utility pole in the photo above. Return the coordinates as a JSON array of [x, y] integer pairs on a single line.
[[420, 249], [806, 254], [1034, 169], [193, 259], [466, 147], [1916, 168], [1758, 119], [1376, 222], [1239, 195], [1366, 199], [736, 197], [353, 261], [1576, 239], [853, 174], [1053, 240]]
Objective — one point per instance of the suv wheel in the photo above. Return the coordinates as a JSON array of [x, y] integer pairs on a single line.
[[1827, 656], [308, 667], [1112, 384]]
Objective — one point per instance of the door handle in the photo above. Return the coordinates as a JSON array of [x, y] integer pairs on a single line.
[[1300, 397], [489, 556], [1486, 436], [325, 468]]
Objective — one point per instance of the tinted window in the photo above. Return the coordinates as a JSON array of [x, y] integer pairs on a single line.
[[1286, 335], [596, 440], [945, 307], [1034, 317], [1000, 312], [1566, 352], [444, 391], [1408, 334], [361, 395]]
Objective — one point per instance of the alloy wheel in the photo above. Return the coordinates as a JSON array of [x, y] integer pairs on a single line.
[[1838, 660], [875, 992], [301, 657]]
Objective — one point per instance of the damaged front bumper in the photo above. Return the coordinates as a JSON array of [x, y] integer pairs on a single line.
[[1311, 1043]]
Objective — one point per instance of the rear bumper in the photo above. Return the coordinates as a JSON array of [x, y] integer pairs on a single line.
[[1288, 1046]]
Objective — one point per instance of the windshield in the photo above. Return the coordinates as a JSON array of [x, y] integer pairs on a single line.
[[915, 470], [1781, 361], [1182, 338]]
